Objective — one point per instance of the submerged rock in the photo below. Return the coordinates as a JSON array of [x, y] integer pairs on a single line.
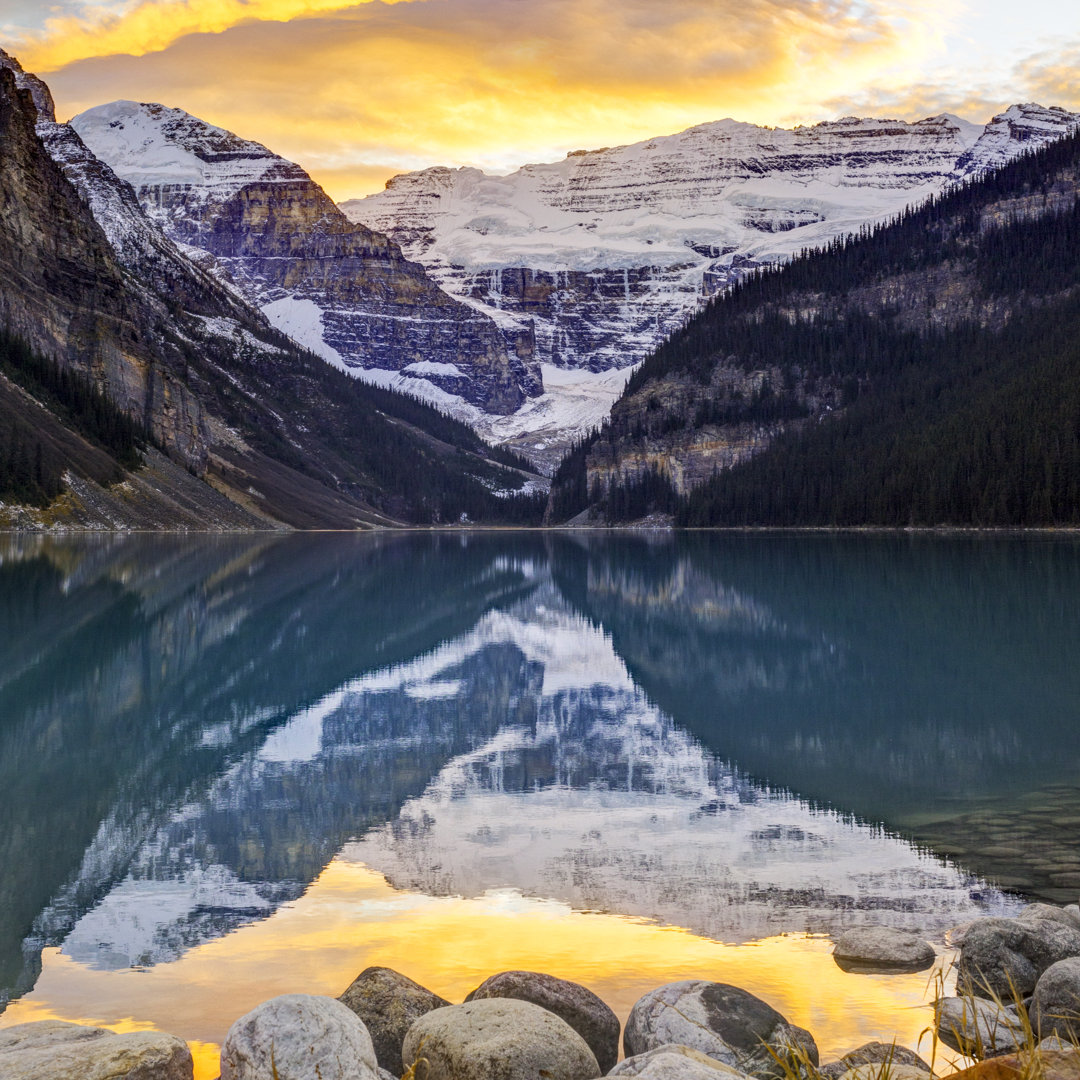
[[1055, 1006], [675, 1062], [298, 1037], [389, 1003], [880, 948], [54, 1050], [590, 1017], [498, 1039], [721, 1021]]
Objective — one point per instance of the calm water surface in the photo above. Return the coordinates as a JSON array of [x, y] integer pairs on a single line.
[[239, 766]]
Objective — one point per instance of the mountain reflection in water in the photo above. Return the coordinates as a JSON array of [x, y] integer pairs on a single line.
[[729, 734]]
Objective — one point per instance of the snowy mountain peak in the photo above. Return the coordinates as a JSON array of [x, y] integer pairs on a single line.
[[152, 145]]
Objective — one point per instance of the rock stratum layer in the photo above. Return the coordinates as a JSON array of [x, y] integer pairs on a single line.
[[341, 289], [603, 254], [244, 429]]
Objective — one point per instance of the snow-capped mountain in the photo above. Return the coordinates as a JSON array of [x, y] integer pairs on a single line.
[[337, 287], [605, 252]]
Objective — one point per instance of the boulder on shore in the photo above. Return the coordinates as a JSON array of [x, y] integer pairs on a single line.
[[298, 1037], [977, 1028], [880, 948], [389, 1003], [498, 1039], [720, 1021], [62, 1051], [590, 1017], [674, 1062], [1055, 1005], [875, 1053], [1004, 958]]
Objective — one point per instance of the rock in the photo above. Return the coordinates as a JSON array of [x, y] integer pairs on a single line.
[[878, 948], [720, 1021], [1049, 1065], [498, 1039], [389, 1004], [54, 1050], [386, 1074], [675, 1062], [873, 1053], [975, 1027], [298, 1037], [580, 1008], [1055, 1006], [1005, 957], [878, 1070], [1054, 1042], [1073, 911], [1037, 912]]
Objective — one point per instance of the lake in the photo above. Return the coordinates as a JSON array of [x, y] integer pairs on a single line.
[[237, 766]]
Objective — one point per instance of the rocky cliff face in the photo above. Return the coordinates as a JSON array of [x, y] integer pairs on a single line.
[[978, 262], [65, 289], [344, 291], [608, 251], [248, 431]]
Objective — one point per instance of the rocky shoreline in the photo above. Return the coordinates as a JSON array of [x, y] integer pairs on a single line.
[[1016, 1014]]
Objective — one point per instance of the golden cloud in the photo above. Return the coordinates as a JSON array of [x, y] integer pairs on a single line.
[[375, 88], [1050, 76]]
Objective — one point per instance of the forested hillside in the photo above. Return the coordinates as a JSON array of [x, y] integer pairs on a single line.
[[925, 372]]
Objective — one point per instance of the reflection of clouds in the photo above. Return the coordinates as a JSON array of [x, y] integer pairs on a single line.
[[480, 81]]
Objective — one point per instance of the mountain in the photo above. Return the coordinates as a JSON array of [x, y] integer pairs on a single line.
[[137, 390], [925, 372], [609, 251], [264, 225]]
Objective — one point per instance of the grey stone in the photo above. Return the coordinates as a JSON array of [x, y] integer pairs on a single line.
[[389, 1004], [878, 948], [298, 1037], [879, 1070], [1055, 1006], [721, 1021], [675, 1062], [1054, 1042], [579, 1007], [978, 1028], [1037, 912], [1005, 957], [1073, 911], [498, 1039], [54, 1050], [874, 1053]]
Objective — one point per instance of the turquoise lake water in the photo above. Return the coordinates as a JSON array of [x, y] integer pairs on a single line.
[[735, 737]]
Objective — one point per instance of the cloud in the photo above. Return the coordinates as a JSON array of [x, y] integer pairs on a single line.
[[351, 91], [1050, 76], [1047, 77]]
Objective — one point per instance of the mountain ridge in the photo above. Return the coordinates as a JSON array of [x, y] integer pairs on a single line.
[[245, 429], [922, 373], [608, 251]]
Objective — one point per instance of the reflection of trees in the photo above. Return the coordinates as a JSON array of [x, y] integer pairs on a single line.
[[883, 675]]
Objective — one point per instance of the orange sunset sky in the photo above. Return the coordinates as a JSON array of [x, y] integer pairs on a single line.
[[357, 92]]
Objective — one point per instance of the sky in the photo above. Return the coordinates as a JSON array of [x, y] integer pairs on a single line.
[[357, 92]]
